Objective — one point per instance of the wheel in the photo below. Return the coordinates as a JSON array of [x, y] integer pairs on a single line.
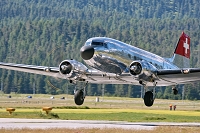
[[148, 99], [78, 97], [175, 91]]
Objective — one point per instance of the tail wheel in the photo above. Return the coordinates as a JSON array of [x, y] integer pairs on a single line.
[[148, 99], [79, 97], [175, 91]]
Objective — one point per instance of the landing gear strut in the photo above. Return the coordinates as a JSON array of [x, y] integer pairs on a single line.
[[149, 96], [79, 95]]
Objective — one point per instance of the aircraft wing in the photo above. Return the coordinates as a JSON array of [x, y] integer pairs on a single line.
[[179, 76], [42, 70], [165, 77], [90, 75]]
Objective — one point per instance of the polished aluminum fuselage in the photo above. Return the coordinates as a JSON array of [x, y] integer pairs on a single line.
[[114, 56]]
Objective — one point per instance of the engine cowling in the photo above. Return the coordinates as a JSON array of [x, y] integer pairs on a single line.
[[135, 68], [143, 70], [72, 68]]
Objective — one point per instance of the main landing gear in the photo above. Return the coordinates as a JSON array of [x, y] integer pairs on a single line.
[[79, 95], [149, 96]]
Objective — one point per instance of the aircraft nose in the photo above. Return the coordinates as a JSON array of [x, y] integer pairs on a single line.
[[87, 52]]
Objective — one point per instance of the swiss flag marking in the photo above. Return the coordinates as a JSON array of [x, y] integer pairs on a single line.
[[186, 46], [183, 46]]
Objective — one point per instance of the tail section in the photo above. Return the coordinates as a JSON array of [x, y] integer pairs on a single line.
[[181, 57], [183, 46]]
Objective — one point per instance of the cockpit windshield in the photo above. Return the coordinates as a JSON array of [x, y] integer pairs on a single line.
[[87, 43], [96, 43]]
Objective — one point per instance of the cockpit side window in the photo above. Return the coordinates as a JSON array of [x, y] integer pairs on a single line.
[[105, 45], [97, 43]]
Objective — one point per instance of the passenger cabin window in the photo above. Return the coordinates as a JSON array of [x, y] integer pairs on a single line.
[[105, 45]]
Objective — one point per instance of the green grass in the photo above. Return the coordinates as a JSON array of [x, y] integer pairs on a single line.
[[107, 114], [132, 116], [109, 108]]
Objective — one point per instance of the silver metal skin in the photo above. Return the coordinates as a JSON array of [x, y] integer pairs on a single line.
[[112, 56], [72, 69], [122, 54]]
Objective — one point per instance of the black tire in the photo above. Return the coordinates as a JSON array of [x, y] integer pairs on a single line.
[[175, 91], [78, 97], [148, 99]]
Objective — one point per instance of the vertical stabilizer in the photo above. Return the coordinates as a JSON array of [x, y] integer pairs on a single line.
[[181, 55], [183, 46]]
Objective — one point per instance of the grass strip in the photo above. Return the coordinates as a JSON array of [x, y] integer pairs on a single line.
[[107, 114]]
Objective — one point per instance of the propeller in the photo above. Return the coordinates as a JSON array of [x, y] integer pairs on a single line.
[[135, 68], [57, 55], [65, 67]]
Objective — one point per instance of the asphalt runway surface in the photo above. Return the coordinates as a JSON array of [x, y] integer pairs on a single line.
[[8, 123]]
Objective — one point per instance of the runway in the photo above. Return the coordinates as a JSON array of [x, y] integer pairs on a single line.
[[47, 123]]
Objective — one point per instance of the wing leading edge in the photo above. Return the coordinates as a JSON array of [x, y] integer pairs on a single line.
[[92, 76], [42, 70]]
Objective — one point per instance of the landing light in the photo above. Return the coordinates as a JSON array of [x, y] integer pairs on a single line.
[[10, 110], [47, 109]]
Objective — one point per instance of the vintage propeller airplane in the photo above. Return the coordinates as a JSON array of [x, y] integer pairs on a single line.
[[115, 62]]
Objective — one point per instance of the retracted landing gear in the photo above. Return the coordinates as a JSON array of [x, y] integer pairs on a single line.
[[175, 90], [79, 95], [149, 97]]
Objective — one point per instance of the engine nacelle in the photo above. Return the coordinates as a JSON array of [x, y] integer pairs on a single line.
[[141, 67], [72, 68], [135, 68]]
